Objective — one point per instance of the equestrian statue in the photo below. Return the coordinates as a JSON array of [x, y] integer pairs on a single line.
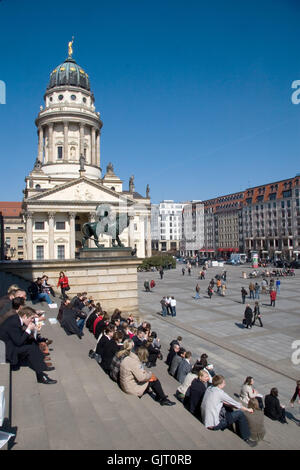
[[109, 224]]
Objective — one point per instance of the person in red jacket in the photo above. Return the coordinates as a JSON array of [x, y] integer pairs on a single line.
[[63, 283], [272, 297]]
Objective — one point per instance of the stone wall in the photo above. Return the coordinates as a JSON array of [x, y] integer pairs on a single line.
[[112, 282]]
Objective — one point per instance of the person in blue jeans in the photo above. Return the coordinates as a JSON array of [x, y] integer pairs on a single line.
[[278, 286], [257, 290], [163, 306], [37, 291], [173, 306]]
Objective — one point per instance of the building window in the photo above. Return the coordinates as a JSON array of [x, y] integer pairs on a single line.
[[39, 225], [60, 97], [20, 242], [40, 252], [61, 252], [73, 97], [59, 152], [287, 193], [60, 225], [7, 241], [77, 227]]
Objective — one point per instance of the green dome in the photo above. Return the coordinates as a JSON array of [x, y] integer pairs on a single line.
[[69, 73]]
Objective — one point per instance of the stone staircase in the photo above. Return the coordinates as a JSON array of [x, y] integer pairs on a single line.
[[86, 410]]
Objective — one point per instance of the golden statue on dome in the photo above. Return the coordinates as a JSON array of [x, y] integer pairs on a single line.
[[70, 44]]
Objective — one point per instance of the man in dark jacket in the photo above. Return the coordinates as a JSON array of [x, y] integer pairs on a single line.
[[102, 343], [273, 409], [19, 351], [173, 351], [69, 319], [197, 391]]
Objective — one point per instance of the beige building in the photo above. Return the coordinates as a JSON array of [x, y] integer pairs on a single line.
[[66, 186], [13, 231]]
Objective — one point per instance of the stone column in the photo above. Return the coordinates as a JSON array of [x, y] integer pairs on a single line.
[[92, 218], [148, 241], [28, 217], [66, 141], [50, 142], [98, 149], [131, 232], [41, 143], [51, 216], [72, 234], [93, 161], [81, 146]]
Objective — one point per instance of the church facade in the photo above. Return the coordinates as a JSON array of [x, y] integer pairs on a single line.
[[66, 186]]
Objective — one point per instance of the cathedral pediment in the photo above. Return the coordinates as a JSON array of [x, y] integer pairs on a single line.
[[80, 190]]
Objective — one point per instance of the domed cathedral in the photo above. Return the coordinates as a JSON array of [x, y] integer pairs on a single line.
[[66, 185]]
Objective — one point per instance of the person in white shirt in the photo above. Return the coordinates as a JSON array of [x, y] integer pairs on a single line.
[[173, 306], [168, 303], [215, 416]]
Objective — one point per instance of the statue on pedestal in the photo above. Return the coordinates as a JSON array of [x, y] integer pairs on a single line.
[[110, 223], [131, 184], [81, 162], [147, 191]]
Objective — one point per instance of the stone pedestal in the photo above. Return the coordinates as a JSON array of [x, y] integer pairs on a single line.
[[110, 280], [105, 253]]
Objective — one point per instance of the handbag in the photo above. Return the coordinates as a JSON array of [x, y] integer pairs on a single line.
[[244, 321], [67, 288]]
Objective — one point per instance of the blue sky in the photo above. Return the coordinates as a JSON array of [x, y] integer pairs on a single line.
[[195, 96]]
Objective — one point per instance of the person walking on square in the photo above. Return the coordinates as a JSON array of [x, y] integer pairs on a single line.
[[183, 271], [251, 290], [278, 286], [219, 284], [197, 296], [223, 289], [161, 272], [244, 294], [210, 291], [257, 290], [63, 283], [248, 316], [189, 270], [257, 314], [272, 298]]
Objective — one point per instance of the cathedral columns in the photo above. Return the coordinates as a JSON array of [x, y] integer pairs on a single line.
[[93, 162], [131, 232], [28, 217], [81, 134], [50, 142], [41, 143], [51, 216], [92, 219], [98, 149], [72, 234], [66, 141]]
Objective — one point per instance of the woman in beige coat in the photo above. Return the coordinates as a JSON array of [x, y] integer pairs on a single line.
[[248, 392], [135, 380]]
